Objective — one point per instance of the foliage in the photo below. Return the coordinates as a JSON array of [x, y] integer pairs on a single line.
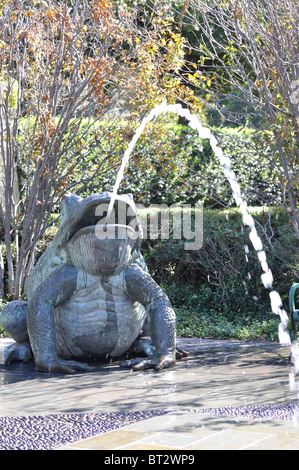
[[168, 166], [64, 66], [210, 289], [217, 291], [257, 59], [215, 325]]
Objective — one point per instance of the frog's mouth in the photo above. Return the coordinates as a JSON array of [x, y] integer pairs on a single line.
[[95, 220], [101, 248]]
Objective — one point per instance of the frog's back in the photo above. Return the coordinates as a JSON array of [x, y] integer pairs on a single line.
[[99, 319]]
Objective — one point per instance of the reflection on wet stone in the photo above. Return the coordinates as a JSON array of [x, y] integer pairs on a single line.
[[227, 379]]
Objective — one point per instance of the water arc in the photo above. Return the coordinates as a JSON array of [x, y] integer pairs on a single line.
[[266, 276]]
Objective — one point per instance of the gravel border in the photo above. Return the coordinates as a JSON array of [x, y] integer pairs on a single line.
[[52, 431], [278, 411]]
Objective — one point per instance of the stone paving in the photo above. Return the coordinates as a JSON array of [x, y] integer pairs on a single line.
[[226, 395]]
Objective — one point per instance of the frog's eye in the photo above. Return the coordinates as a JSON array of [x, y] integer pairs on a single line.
[[68, 205]]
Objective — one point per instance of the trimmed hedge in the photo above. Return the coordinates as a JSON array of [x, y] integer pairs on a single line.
[[215, 291], [210, 289], [168, 166]]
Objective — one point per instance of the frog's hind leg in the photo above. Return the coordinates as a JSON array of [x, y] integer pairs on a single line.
[[13, 319], [17, 352], [142, 347]]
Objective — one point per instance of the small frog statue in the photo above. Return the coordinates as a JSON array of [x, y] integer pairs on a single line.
[[90, 295]]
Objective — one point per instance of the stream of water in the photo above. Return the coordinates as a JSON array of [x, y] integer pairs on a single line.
[[266, 277]]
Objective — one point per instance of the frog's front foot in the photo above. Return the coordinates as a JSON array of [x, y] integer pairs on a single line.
[[143, 346], [61, 365], [157, 363], [17, 352]]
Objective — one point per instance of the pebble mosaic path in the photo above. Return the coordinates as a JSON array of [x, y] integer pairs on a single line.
[[49, 432], [52, 431]]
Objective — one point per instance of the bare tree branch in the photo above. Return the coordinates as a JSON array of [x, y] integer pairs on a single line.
[[251, 47]]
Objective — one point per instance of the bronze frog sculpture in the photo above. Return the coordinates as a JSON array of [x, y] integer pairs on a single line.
[[90, 296]]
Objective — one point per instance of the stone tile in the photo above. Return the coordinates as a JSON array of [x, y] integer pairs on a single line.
[[141, 446], [272, 427], [70, 448], [230, 439], [170, 439], [191, 424], [276, 443], [110, 440]]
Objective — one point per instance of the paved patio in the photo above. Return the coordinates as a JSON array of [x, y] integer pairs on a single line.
[[225, 395]]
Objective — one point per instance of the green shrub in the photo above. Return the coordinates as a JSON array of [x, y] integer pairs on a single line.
[[211, 289], [219, 327], [168, 166]]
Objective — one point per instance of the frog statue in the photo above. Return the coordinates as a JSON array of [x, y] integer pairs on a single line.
[[90, 295]]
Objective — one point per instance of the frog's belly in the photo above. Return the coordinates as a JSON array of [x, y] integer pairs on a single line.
[[96, 321]]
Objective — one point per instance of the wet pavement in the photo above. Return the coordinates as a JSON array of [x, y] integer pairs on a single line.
[[227, 395]]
